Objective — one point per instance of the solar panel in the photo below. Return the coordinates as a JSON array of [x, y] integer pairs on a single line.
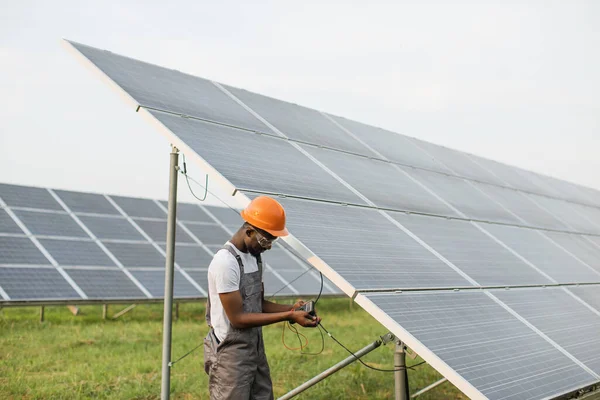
[[287, 171], [392, 146], [436, 272], [76, 253], [537, 248], [139, 207], [482, 343], [367, 250], [372, 179], [478, 255], [110, 227], [60, 260], [50, 224], [562, 318], [86, 202], [590, 294], [28, 197], [31, 283]]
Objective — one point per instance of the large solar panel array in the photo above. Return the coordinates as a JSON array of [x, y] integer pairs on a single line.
[[72, 246], [491, 273]]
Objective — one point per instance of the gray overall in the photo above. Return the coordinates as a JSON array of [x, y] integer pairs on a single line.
[[237, 367]]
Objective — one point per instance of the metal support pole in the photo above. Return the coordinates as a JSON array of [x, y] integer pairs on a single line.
[[104, 311], [347, 361], [400, 376], [177, 311], [169, 270], [42, 314]]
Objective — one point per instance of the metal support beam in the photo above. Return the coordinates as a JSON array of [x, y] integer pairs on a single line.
[[428, 388], [104, 311], [169, 271], [42, 314], [123, 312], [401, 375], [347, 361]]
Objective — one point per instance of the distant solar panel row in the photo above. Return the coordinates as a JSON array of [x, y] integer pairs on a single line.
[[58, 245]]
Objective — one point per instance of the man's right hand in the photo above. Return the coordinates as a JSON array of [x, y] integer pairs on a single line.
[[304, 319]]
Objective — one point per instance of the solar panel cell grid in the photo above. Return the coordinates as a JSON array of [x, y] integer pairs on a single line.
[[51, 224], [472, 334], [35, 283], [76, 253], [28, 197]]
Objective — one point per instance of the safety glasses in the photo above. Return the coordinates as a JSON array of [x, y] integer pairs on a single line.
[[264, 242]]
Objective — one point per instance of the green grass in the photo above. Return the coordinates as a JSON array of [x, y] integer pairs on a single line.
[[81, 357]]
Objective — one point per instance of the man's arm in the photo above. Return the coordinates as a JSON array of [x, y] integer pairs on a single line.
[[233, 306]]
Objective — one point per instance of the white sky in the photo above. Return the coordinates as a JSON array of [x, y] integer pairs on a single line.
[[517, 82]]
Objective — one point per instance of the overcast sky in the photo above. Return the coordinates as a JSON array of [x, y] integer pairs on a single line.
[[517, 82]]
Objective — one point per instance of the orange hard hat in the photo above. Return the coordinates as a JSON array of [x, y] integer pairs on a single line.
[[267, 214]]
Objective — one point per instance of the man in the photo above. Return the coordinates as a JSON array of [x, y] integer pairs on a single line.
[[234, 354]]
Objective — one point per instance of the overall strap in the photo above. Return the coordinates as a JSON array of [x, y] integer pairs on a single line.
[[230, 249], [241, 265]]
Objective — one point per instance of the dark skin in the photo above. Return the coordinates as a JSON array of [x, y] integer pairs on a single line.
[[246, 240]]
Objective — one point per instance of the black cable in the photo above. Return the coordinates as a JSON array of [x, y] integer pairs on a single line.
[[363, 363], [188, 182]]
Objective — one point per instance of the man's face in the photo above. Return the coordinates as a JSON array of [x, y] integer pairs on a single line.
[[259, 241]]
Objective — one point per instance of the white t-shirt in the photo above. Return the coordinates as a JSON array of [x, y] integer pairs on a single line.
[[224, 277]]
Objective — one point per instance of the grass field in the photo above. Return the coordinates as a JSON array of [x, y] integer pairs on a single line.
[[81, 357]]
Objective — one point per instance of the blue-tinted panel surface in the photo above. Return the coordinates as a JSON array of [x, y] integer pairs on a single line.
[[7, 225], [191, 256], [536, 248], [457, 162], [209, 234], [463, 196], [475, 253], [275, 286], [17, 250], [32, 197], [76, 253], [139, 207], [154, 281], [385, 185], [226, 215], [526, 212], [86, 202], [200, 277], [190, 212], [369, 251], [470, 333], [35, 284], [562, 318], [282, 260], [53, 224], [170, 90], [589, 294], [136, 254], [304, 282], [563, 211], [580, 247], [393, 146], [105, 284], [300, 123], [157, 230], [243, 161], [111, 228]]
